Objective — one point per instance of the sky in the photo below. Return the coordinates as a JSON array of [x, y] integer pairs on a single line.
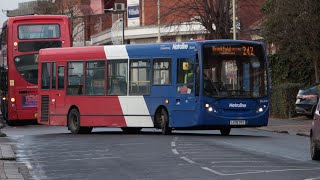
[[8, 5]]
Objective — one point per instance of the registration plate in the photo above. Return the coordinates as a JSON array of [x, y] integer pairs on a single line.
[[238, 122]]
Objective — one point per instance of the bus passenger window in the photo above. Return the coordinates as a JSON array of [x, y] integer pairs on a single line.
[[161, 71], [45, 76], [75, 78], [117, 77], [60, 77], [140, 77], [95, 80], [53, 85]]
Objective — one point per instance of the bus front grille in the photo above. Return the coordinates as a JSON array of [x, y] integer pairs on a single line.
[[44, 108]]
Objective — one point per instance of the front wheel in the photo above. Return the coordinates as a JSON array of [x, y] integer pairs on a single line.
[[225, 131], [74, 123], [164, 120]]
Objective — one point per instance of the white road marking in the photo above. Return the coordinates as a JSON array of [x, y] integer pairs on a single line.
[[188, 160], [127, 144], [173, 144], [238, 162], [175, 151], [256, 172], [312, 178]]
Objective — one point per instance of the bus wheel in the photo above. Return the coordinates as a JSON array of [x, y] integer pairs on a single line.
[[74, 123], [131, 130], [164, 119], [225, 131]]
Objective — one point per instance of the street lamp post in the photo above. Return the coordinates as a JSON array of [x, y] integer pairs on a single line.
[[123, 13]]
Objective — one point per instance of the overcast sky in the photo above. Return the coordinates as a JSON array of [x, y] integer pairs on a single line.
[[8, 5]]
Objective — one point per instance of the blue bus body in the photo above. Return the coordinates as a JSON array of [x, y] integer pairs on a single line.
[[189, 111]]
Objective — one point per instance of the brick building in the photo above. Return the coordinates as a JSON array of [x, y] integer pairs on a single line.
[[100, 21]]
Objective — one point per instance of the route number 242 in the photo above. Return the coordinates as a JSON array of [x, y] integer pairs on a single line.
[[248, 51]]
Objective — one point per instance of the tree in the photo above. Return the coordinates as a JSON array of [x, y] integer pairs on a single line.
[[293, 26], [214, 15]]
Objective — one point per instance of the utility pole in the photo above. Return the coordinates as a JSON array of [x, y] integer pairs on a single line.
[[234, 19], [159, 39]]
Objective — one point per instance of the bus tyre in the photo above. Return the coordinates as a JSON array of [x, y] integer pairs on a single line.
[[131, 130], [225, 131], [314, 150], [164, 119], [74, 123]]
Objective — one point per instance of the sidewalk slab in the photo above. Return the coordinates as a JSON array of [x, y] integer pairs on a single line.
[[7, 152]]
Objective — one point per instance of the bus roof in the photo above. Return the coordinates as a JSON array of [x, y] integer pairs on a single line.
[[35, 17], [134, 50]]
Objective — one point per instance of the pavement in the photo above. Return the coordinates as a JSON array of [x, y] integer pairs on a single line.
[[9, 167], [296, 126]]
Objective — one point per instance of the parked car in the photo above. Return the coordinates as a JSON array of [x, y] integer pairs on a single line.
[[307, 100], [315, 135]]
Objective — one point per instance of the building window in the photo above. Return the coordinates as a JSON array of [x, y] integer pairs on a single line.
[[117, 77], [95, 80], [45, 76], [140, 77], [161, 71], [75, 78]]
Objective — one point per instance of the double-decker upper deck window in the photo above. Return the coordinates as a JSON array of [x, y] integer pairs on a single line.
[[75, 78], [140, 77], [161, 71], [39, 31]]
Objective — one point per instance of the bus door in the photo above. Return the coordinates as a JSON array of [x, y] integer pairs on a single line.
[[57, 105], [186, 100]]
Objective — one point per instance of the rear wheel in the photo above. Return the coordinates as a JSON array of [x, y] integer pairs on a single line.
[[164, 120], [131, 130], [225, 131], [74, 123], [314, 150]]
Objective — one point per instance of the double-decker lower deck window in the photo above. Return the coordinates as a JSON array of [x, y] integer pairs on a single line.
[[95, 80], [61, 77], [140, 77], [45, 76], [75, 78]]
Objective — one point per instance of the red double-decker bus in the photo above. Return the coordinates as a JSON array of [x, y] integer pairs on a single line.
[[21, 39]]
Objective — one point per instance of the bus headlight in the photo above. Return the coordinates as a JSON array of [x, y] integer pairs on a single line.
[[261, 109], [4, 98], [13, 100], [210, 108]]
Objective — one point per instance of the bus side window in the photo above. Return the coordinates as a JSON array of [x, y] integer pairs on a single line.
[[95, 80], [75, 78], [162, 71], [45, 76], [185, 76], [61, 77], [140, 77], [54, 76]]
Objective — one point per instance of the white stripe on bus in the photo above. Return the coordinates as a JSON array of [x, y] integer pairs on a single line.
[[116, 52], [135, 105]]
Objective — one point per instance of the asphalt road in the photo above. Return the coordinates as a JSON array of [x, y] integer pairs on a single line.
[[54, 153]]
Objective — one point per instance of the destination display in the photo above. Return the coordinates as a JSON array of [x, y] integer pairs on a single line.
[[234, 50]]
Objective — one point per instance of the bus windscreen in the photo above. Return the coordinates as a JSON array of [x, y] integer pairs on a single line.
[[39, 31], [234, 70]]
